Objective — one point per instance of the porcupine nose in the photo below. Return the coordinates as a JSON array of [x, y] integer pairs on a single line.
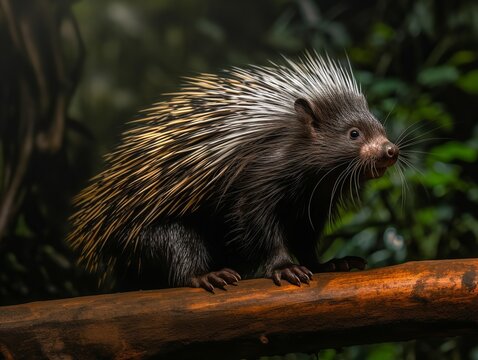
[[390, 151]]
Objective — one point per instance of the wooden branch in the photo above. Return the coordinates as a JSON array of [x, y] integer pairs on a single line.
[[413, 300]]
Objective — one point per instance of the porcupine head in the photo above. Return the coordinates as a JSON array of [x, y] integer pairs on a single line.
[[252, 162]]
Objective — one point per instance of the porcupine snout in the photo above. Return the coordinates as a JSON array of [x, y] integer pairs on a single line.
[[390, 153], [380, 153]]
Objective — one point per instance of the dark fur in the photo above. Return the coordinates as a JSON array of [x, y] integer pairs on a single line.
[[263, 218]]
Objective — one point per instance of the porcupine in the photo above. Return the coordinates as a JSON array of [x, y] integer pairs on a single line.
[[235, 171]]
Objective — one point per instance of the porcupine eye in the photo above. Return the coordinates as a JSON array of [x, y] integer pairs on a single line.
[[354, 134]]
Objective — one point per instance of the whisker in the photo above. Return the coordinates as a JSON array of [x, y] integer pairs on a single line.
[[409, 131], [417, 152], [351, 180], [309, 206], [404, 185], [347, 175], [340, 178], [414, 142], [391, 110], [360, 170], [404, 134], [410, 165], [355, 179]]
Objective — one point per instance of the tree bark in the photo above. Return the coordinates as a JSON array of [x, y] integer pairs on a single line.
[[413, 300]]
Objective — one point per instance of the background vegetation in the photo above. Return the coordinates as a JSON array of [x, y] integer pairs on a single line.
[[74, 72]]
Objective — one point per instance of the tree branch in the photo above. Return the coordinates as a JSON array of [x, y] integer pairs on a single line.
[[413, 300]]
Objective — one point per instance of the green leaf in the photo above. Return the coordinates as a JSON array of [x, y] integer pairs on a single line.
[[439, 75], [22, 228], [454, 150], [383, 87], [443, 174], [381, 34], [281, 36], [383, 352], [12, 262], [469, 82], [433, 111], [421, 20], [426, 216], [59, 259], [211, 30], [328, 354], [462, 58]]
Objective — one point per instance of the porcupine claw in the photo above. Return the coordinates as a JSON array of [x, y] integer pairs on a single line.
[[295, 274], [346, 263], [219, 279]]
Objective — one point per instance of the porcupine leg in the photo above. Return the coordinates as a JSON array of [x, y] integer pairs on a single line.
[[279, 266], [260, 240], [189, 260], [305, 249], [306, 254], [293, 273], [213, 279], [346, 263], [269, 249]]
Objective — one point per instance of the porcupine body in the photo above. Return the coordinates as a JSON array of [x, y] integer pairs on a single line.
[[235, 171]]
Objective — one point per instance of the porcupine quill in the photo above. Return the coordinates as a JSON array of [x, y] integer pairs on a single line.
[[235, 171]]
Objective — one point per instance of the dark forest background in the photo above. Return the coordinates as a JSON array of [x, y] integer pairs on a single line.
[[72, 73]]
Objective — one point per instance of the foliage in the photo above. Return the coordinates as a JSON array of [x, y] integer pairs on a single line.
[[40, 65], [417, 63]]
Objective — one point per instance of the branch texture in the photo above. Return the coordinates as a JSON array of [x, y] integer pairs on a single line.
[[413, 300]]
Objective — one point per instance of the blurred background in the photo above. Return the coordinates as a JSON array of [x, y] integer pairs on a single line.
[[74, 72]]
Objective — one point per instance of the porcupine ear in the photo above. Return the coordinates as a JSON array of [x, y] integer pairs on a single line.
[[305, 113]]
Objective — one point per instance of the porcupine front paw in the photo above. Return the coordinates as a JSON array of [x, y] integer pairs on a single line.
[[295, 274], [344, 264], [217, 279]]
